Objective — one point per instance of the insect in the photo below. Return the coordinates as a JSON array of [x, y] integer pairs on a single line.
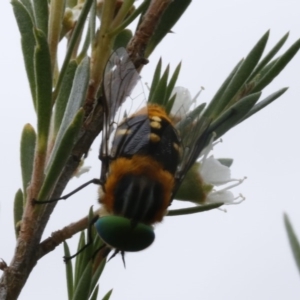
[[146, 163], [144, 160]]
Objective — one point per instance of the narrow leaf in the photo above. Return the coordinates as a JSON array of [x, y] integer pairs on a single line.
[[90, 34], [233, 115], [73, 41], [155, 80], [216, 99], [170, 104], [294, 242], [95, 293], [79, 268], [82, 290], [43, 76], [62, 155], [40, 8], [263, 103], [98, 273], [161, 89], [57, 9], [172, 82], [28, 141], [190, 118], [278, 67], [172, 14], [269, 56], [241, 75], [107, 295], [63, 96], [132, 16], [69, 272], [28, 6], [76, 98], [25, 25], [18, 211]]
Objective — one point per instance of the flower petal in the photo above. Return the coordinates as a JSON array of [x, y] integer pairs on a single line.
[[183, 99], [213, 172], [223, 196]]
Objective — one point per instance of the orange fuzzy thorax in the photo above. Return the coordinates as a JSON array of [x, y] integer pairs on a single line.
[[154, 110]]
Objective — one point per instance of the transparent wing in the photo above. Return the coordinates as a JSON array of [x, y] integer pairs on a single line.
[[120, 78], [122, 95]]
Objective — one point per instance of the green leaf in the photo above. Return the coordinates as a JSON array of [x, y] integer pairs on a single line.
[[241, 75], [266, 69], [233, 115], [56, 14], [90, 34], [216, 99], [79, 266], [269, 56], [107, 296], [278, 67], [25, 25], [43, 76], [190, 118], [294, 242], [122, 39], [62, 155], [141, 9], [69, 272], [95, 293], [63, 96], [172, 82], [170, 104], [73, 42], [40, 8], [76, 98], [155, 80], [159, 94], [263, 103], [18, 210], [82, 290], [28, 6], [172, 14], [193, 210], [28, 141], [98, 273], [84, 258]]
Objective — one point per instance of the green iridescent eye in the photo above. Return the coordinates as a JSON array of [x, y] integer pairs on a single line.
[[121, 234]]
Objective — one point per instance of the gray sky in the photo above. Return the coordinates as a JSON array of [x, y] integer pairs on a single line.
[[241, 254]]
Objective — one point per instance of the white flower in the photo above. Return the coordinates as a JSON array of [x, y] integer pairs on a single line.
[[209, 181], [183, 99], [215, 174]]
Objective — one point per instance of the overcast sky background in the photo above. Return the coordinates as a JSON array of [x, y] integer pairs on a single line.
[[241, 254]]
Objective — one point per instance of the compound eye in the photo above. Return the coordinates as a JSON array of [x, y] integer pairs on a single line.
[[121, 234]]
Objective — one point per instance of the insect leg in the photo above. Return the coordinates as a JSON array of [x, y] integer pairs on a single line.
[[94, 181], [89, 242]]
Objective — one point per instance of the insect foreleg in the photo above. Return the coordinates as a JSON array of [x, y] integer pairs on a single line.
[[94, 181], [89, 242]]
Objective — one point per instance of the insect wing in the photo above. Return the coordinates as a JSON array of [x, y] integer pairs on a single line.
[[132, 136], [193, 130], [119, 79], [122, 94]]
